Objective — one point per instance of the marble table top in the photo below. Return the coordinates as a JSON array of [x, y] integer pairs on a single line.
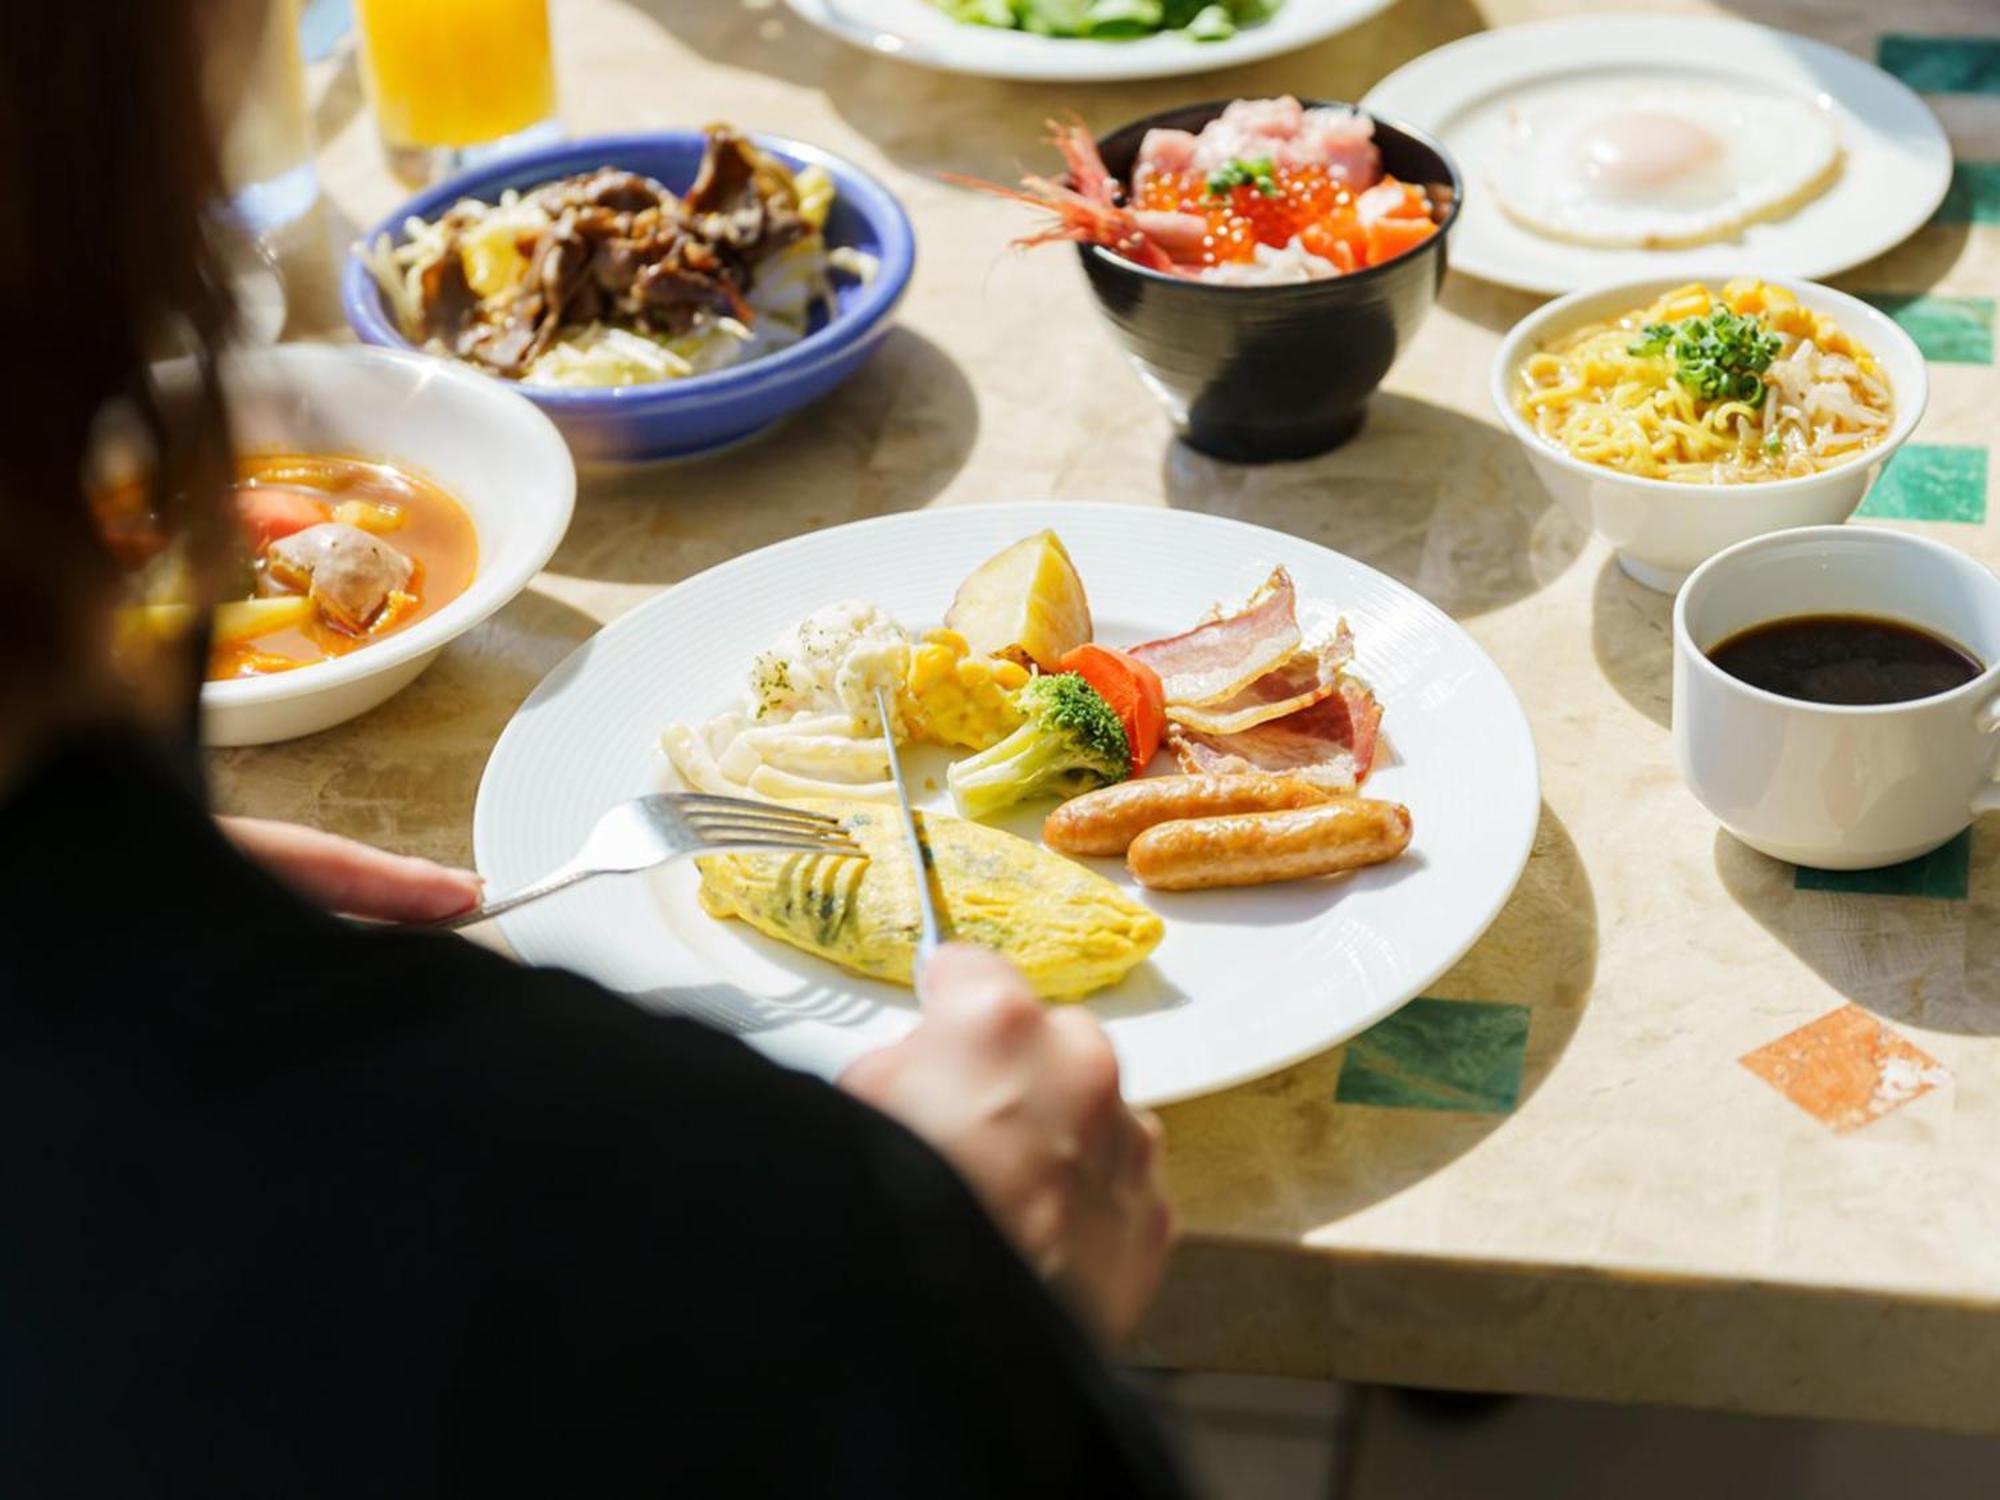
[[1557, 1173]]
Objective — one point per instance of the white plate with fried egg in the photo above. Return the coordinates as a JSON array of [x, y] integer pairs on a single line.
[[1613, 148]]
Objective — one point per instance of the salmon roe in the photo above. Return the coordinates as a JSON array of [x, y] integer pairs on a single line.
[[1308, 203]]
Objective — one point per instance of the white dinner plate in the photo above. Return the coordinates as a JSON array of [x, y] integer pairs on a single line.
[[1244, 982], [1896, 167], [917, 31]]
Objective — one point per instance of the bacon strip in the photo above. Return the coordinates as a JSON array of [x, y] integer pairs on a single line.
[[1220, 657], [1332, 742], [1309, 676]]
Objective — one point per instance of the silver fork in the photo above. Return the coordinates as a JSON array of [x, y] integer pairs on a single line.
[[649, 831]]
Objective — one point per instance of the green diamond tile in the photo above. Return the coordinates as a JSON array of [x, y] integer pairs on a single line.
[[1462, 1055], [1945, 874], [1974, 194], [1949, 330], [1943, 64], [1930, 482]]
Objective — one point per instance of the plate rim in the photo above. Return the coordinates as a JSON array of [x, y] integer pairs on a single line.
[[1114, 61], [1616, 40], [1515, 862]]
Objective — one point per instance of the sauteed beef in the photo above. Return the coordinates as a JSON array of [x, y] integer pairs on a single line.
[[621, 248]]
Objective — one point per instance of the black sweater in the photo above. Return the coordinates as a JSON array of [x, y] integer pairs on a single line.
[[291, 1209]]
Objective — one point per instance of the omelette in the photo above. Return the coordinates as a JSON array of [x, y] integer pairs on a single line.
[[1070, 930]]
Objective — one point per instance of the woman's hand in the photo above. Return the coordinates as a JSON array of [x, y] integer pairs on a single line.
[[352, 878], [1023, 1099]]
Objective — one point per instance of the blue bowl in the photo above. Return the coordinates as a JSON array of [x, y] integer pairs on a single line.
[[673, 418]]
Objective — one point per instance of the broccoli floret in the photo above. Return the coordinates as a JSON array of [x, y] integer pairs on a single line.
[[1072, 741]]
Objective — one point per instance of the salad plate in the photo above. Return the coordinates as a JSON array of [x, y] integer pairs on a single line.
[[918, 31], [1244, 981], [1891, 161]]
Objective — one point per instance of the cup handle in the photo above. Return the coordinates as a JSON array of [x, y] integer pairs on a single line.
[[1987, 722]]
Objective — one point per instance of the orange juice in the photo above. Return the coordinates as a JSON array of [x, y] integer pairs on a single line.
[[454, 73]]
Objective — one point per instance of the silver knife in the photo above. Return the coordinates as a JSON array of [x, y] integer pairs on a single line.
[[929, 934]]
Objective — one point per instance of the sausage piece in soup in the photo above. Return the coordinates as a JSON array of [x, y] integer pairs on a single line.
[[339, 552]]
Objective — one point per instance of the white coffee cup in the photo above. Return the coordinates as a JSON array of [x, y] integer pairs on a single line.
[[1838, 786]]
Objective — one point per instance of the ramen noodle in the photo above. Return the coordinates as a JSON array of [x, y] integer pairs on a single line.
[[1708, 387]]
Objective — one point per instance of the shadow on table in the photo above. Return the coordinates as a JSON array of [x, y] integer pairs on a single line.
[[930, 121], [1278, 1158], [1921, 961], [888, 440], [1632, 636], [404, 775], [1916, 265], [1493, 307], [1437, 499]]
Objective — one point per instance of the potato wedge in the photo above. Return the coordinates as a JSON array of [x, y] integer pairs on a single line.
[[377, 520], [1025, 603], [246, 619]]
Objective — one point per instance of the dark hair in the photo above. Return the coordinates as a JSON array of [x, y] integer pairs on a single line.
[[107, 170]]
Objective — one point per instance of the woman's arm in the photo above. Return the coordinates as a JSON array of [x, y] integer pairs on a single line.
[[1023, 1099]]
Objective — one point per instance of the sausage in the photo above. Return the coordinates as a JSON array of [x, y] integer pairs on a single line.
[[1256, 848], [1106, 821]]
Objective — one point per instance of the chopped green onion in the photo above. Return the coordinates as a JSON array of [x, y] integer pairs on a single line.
[[1721, 357], [1237, 172]]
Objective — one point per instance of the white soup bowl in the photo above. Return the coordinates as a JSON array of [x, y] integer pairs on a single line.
[[1664, 528], [481, 443]]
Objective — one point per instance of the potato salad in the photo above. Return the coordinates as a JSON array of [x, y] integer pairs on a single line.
[[808, 726], [832, 662]]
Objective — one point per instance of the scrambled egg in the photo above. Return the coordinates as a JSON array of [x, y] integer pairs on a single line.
[[1070, 930]]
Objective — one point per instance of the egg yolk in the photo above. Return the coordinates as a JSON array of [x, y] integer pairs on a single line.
[[1630, 157]]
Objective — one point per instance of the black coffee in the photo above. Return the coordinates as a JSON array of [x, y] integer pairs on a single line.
[[1845, 659]]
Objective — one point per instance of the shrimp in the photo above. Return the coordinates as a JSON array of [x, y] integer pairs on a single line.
[[1087, 209]]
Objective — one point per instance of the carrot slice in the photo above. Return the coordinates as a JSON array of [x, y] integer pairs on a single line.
[[1133, 690]]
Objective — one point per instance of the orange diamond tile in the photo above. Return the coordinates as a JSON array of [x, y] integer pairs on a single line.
[[1846, 1069]]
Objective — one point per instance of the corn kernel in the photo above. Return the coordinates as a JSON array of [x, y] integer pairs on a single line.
[[955, 698], [1744, 295], [1690, 301], [1796, 320]]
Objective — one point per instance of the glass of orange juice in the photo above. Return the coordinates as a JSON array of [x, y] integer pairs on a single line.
[[453, 80]]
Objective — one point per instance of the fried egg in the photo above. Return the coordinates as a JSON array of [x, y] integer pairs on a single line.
[[1662, 164]]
